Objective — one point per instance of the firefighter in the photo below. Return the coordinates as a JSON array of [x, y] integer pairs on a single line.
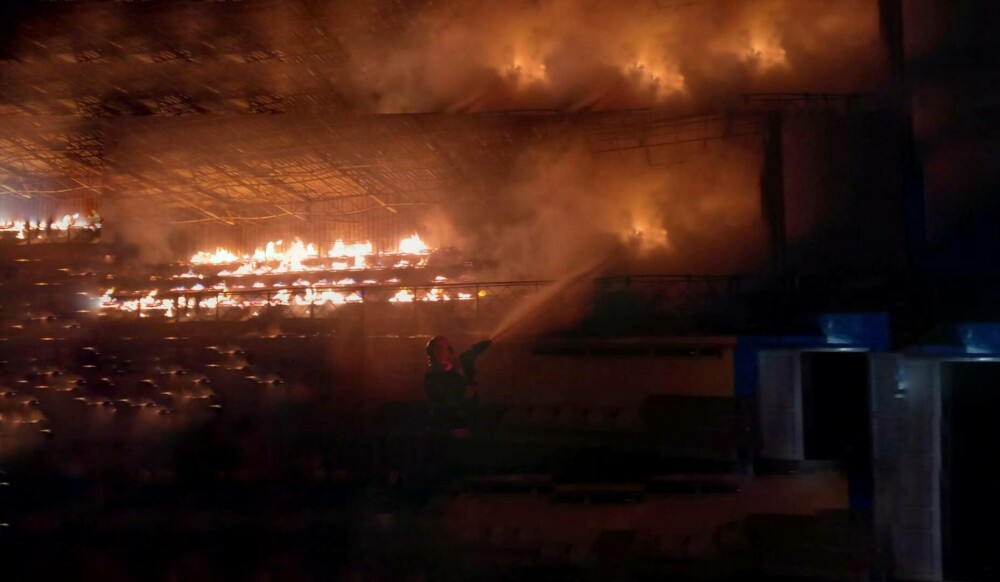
[[450, 381]]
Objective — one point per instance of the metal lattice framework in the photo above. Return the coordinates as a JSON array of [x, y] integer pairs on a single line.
[[103, 59], [222, 115], [295, 168], [487, 301]]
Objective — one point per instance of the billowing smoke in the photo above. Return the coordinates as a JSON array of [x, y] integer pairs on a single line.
[[592, 55], [565, 205], [392, 56], [698, 213]]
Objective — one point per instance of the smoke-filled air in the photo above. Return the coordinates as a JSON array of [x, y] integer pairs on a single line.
[[565, 205], [556, 202], [593, 55]]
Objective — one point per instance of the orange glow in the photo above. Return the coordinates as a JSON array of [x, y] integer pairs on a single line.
[[220, 256], [339, 249], [525, 72], [436, 295], [402, 296], [767, 54], [291, 258], [413, 246], [64, 224], [276, 257], [655, 76]]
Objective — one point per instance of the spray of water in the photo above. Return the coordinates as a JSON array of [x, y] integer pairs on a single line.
[[532, 306]]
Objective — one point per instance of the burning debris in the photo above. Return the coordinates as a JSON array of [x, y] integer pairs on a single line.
[[276, 257], [226, 289], [69, 227]]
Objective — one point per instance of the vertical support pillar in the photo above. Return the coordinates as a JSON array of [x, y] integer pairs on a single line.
[[914, 211], [891, 23], [914, 205], [772, 190]]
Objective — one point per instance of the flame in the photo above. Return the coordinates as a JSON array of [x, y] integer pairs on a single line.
[[648, 238], [339, 249], [436, 295], [413, 245], [219, 257], [283, 297], [299, 295], [277, 257], [314, 297], [106, 300], [293, 258], [661, 79], [402, 296], [526, 71], [767, 54], [763, 46], [643, 229], [64, 224]]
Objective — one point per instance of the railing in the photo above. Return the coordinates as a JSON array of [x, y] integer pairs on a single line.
[[476, 300]]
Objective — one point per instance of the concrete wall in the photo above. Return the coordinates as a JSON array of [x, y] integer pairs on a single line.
[[620, 372]]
